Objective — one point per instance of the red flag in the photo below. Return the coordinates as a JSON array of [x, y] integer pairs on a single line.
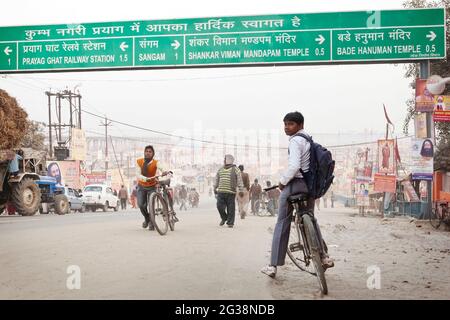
[[397, 153], [385, 113]]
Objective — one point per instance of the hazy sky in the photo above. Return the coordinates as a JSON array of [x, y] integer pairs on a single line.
[[332, 98]]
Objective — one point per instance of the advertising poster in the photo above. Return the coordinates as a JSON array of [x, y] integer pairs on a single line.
[[422, 151], [424, 98], [409, 192], [362, 193], [364, 171], [78, 144], [67, 173], [441, 109], [420, 123], [384, 183], [94, 178], [386, 160]]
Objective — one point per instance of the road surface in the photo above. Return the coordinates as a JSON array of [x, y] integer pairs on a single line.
[[116, 259]]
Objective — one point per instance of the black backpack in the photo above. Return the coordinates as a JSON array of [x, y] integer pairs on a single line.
[[321, 167]]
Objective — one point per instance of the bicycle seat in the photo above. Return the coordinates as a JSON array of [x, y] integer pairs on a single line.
[[298, 197]]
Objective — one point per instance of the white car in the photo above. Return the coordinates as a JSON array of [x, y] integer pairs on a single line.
[[100, 196]]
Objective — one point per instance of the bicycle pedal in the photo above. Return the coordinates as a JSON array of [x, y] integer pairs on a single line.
[[295, 247]]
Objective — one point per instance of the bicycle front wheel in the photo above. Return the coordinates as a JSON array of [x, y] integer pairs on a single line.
[[159, 214], [259, 208], [314, 246]]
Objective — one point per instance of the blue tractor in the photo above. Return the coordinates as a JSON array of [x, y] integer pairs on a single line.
[[52, 196], [28, 189]]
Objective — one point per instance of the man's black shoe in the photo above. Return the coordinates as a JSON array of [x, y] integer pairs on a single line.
[[222, 223], [151, 228], [145, 224], [230, 226]]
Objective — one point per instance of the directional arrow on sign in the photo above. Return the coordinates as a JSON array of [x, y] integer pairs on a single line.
[[320, 39], [123, 46], [7, 51], [431, 36], [175, 44]]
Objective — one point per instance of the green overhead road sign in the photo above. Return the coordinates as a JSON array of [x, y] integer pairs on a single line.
[[321, 38]]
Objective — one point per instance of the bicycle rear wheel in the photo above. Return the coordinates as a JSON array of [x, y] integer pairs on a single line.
[[435, 217], [159, 214], [314, 246]]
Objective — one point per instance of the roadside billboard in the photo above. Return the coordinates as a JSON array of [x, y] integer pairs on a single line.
[[65, 173], [94, 178], [441, 109], [422, 151], [78, 144], [386, 156], [385, 183], [424, 98]]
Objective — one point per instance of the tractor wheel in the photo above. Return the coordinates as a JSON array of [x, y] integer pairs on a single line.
[[61, 204], [106, 206], [26, 197], [2, 208]]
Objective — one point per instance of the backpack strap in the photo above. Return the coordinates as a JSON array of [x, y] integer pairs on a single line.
[[307, 138]]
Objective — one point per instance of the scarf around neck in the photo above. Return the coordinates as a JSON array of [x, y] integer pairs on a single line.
[[145, 165]]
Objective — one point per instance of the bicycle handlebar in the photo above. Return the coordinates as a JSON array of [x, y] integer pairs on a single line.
[[270, 188], [161, 175]]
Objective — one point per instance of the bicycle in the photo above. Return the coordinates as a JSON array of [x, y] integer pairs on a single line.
[[304, 248], [265, 207], [440, 214], [160, 207]]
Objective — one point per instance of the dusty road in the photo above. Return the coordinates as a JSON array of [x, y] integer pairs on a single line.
[[118, 259]]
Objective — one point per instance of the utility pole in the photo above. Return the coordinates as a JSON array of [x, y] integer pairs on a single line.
[[257, 150], [50, 124], [106, 123], [128, 165], [117, 161], [424, 70]]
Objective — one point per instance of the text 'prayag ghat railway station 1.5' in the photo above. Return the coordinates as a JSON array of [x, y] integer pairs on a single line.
[[341, 37]]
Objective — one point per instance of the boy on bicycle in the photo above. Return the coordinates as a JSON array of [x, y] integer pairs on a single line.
[[291, 182]]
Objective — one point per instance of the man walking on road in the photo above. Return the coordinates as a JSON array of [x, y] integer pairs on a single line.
[[123, 196], [255, 195], [228, 179], [183, 197], [243, 201], [133, 196]]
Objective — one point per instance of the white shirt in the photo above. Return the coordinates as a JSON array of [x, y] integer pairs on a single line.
[[298, 158]]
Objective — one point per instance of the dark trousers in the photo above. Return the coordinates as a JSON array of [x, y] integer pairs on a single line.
[[123, 203], [283, 226], [143, 194], [183, 204], [226, 204], [255, 204]]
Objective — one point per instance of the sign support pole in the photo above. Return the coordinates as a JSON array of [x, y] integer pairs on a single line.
[[424, 71]]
